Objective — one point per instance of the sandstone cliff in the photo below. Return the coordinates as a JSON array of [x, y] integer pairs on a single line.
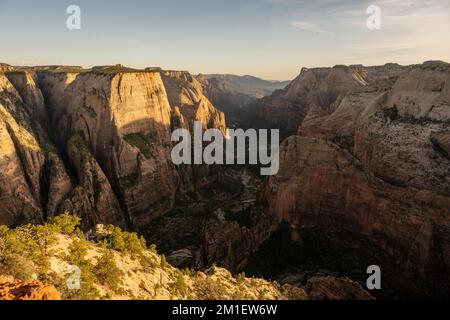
[[95, 142], [317, 90], [370, 158], [121, 121], [185, 94], [21, 160]]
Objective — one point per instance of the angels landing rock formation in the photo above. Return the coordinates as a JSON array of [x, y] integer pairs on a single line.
[[94, 142], [186, 97]]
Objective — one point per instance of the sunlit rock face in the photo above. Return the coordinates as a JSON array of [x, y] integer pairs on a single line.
[[186, 94], [94, 143]]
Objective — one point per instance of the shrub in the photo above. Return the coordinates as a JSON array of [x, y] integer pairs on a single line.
[[17, 253], [240, 277], [153, 248], [163, 262], [77, 256], [66, 223], [17, 266], [179, 286], [148, 263], [208, 289], [391, 113], [107, 271], [41, 239], [117, 242], [126, 242]]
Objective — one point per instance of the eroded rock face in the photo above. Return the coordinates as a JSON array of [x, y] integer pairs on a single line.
[[185, 94], [21, 160], [313, 91], [122, 121], [371, 159], [5, 67], [94, 143]]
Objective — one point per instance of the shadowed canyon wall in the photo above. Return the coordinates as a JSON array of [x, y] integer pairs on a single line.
[[370, 157]]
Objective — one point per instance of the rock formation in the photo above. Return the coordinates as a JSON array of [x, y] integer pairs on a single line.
[[186, 96], [370, 157], [95, 142], [5, 67], [366, 155], [11, 289]]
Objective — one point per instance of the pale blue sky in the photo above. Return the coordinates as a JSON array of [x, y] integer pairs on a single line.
[[272, 39]]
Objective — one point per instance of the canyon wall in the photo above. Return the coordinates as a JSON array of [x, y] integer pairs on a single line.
[[370, 157], [95, 143], [187, 98]]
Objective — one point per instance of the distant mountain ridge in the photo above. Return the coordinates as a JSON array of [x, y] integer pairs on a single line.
[[231, 93], [247, 85]]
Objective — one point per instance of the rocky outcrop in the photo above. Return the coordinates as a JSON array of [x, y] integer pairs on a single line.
[[186, 97], [319, 286], [5, 67], [441, 141], [314, 91], [331, 288], [11, 289]]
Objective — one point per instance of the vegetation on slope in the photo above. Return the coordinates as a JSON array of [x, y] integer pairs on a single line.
[[115, 264]]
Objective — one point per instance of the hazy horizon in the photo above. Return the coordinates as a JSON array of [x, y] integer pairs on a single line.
[[269, 39]]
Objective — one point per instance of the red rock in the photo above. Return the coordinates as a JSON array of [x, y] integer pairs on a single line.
[[11, 289]]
